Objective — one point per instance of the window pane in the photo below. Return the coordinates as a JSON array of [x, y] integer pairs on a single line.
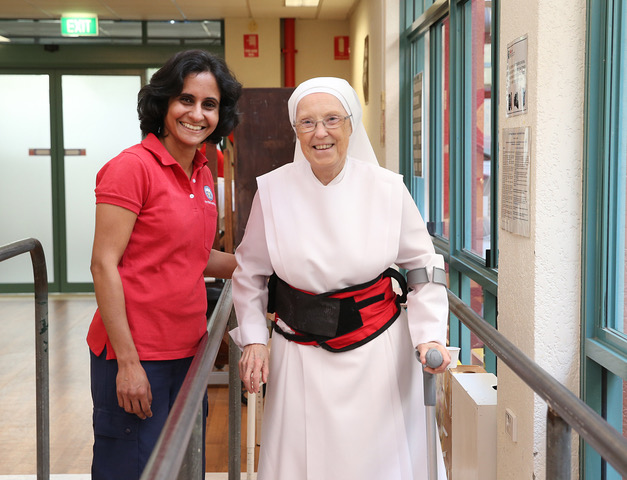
[[444, 224], [479, 116], [207, 31], [476, 345], [624, 409], [122, 32], [25, 150]]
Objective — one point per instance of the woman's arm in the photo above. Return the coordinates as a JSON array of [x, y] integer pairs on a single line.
[[220, 264], [113, 229], [427, 303]]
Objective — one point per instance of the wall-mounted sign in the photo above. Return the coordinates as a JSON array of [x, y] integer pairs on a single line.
[[79, 25], [515, 173], [516, 77], [251, 45], [341, 50]]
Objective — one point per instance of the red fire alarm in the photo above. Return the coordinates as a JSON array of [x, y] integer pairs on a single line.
[[342, 49], [251, 45]]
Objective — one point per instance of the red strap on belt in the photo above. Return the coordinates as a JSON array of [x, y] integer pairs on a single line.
[[376, 316]]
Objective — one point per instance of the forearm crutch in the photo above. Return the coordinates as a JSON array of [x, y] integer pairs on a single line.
[[434, 360], [250, 435]]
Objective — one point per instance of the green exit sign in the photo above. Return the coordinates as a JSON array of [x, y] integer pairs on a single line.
[[79, 25]]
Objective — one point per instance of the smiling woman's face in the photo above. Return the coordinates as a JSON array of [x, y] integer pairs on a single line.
[[193, 114], [325, 149]]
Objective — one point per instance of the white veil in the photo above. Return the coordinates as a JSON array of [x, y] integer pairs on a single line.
[[359, 146]]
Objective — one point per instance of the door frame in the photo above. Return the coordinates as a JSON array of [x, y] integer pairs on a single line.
[[56, 61]]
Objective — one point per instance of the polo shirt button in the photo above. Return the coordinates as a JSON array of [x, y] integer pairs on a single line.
[[191, 195], [194, 180], [127, 431]]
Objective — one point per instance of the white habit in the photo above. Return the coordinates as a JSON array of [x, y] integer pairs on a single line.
[[356, 415]]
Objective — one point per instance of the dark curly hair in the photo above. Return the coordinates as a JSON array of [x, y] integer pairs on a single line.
[[153, 99]]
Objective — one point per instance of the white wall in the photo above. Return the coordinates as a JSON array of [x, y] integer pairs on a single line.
[[539, 276], [314, 41], [391, 64], [368, 19], [254, 72]]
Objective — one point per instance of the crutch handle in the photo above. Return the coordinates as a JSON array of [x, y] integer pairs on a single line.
[[434, 357]]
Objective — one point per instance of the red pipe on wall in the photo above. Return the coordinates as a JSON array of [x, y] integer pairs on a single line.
[[289, 75]]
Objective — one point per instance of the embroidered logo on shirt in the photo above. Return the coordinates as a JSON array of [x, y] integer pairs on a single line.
[[208, 193]]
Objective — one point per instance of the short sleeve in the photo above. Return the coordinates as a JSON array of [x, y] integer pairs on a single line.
[[124, 182]]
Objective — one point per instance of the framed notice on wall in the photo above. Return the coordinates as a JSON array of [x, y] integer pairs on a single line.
[[515, 172], [341, 48], [516, 77], [416, 125], [251, 45]]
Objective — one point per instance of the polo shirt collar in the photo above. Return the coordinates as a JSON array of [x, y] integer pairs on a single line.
[[153, 145]]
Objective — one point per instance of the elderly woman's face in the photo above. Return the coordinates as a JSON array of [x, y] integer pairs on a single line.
[[325, 149]]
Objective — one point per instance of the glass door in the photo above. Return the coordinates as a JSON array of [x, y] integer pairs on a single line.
[[99, 121], [48, 168], [25, 173]]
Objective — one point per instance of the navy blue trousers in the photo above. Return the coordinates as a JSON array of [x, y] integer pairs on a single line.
[[122, 441]]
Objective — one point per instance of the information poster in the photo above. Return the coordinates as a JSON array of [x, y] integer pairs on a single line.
[[515, 180], [417, 125], [516, 84]]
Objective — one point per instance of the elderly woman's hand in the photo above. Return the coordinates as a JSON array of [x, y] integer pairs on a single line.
[[423, 348], [253, 366]]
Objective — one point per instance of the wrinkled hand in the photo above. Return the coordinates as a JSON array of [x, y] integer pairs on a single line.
[[253, 366], [423, 348], [133, 389]]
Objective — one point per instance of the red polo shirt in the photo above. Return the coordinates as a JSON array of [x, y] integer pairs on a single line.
[[162, 266]]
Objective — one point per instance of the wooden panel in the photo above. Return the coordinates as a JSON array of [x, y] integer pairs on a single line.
[[264, 140]]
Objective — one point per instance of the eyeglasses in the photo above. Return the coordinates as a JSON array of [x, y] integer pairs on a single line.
[[330, 122]]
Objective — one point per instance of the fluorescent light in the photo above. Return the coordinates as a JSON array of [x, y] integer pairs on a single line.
[[4, 39], [301, 3]]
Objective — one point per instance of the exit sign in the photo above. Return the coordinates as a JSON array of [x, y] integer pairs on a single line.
[[79, 25]]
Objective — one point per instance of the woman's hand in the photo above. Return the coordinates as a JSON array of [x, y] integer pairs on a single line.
[[253, 366], [423, 348], [133, 389]]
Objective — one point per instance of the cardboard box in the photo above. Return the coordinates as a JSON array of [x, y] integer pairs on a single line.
[[473, 451], [444, 410]]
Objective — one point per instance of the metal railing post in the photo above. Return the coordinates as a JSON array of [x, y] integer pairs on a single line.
[[42, 389], [557, 446], [235, 408], [191, 468], [42, 382]]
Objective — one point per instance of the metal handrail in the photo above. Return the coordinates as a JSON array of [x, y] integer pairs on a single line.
[[40, 275], [184, 424], [565, 410]]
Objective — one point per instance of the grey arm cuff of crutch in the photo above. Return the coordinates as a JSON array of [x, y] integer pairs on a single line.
[[420, 275]]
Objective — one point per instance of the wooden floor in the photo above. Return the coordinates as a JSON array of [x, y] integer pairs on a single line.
[[71, 434]]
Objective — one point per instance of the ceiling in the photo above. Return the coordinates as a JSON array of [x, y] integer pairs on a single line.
[[174, 9]]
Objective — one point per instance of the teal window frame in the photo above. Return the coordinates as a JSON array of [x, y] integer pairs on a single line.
[[464, 267], [604, 348]]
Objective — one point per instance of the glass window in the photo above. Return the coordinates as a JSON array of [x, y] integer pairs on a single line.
[[457, 182], [207, 31], [476, 303], [123, 32], [605, 210], [478, 117], [442, 147]]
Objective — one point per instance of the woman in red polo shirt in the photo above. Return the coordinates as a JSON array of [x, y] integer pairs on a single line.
[[155, 225]]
